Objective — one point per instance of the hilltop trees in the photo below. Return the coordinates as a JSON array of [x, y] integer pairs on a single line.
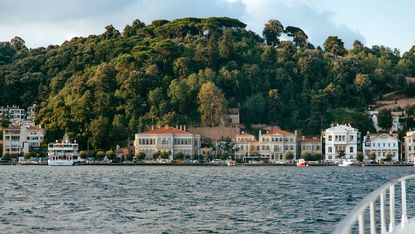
[[102, 88], [211, 104], [385, 119], [272, 31]]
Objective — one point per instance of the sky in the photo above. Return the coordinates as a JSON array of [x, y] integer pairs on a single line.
[[373, 22]]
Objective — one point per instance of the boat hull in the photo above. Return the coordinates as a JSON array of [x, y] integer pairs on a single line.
[[60, 162]]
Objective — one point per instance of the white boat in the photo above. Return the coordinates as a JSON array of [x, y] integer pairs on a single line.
[[345, 163], [63, 153], [230, 162]]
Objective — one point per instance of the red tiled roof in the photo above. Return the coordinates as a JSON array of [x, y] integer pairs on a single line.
[[245, 134], [34, 128], [166, 130], [312, 140], [279, 131], [15, 127]]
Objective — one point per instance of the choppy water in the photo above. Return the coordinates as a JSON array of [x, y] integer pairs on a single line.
[[88, 199]]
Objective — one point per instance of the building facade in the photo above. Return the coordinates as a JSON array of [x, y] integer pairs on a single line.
[[340, 139], [22, 139], [409, 147], [15, 114], [311, 145], [381, 144], [275, 144], [167, 139], [246, 146]]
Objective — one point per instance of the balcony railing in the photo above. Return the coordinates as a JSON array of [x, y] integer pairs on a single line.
[[357, 215]]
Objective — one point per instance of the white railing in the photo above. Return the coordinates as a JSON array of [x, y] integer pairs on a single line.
[[357, 215]]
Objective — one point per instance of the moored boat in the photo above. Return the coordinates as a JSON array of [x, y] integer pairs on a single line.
[[345, 163], [301, 163], [63, 153], [231, 162]]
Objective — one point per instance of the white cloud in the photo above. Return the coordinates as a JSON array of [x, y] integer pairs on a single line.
[[44, 22], [316, 23]]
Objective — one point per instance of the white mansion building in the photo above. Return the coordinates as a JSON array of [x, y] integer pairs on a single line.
[[340, 138], [167, 139], [381, 144]]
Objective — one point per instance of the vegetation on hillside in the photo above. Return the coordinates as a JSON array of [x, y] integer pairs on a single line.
[[103, 88]]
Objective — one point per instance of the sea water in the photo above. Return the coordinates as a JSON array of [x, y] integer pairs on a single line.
[[187, 199]]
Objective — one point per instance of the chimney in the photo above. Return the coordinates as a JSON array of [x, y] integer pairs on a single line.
[[303, 138], [152, 127], [259, 135], [177, 126], [184, 127], [166, 126], [295, 133]]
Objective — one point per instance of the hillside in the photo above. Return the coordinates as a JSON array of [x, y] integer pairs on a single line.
[[103, 88]]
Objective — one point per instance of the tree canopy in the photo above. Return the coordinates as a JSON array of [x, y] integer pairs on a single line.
[[103, 88]]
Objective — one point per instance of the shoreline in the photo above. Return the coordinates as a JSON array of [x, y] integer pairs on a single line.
[[208, 165]]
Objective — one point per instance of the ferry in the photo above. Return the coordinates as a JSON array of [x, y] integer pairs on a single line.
[[63, 153]]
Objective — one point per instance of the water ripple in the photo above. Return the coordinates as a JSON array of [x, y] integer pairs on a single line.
[[183, 199]]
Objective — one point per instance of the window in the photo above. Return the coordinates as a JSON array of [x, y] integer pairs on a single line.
[[351, 138], [351, 149], [330, 138], [330, 149]]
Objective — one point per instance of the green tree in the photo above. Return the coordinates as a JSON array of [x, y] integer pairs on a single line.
[[372, 156], [289, 155], [141, 155], [306, 155], [156, 155], [317, 156], [299, 36], [164, 155], [83, 154], [389, 156], [4, 121], [100, 155], [385, 119], [334, 45], [226, 45], [179, 156], [272, 31], [27, 156], [6, 157], [110, 154], [212, 104], [360, 156]]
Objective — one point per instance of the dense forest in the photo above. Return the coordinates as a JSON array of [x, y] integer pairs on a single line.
[[103, 88]]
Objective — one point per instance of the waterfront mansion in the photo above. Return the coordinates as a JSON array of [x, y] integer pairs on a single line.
[[273, 145], [381, 144], [167, 139], [340, 139]]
